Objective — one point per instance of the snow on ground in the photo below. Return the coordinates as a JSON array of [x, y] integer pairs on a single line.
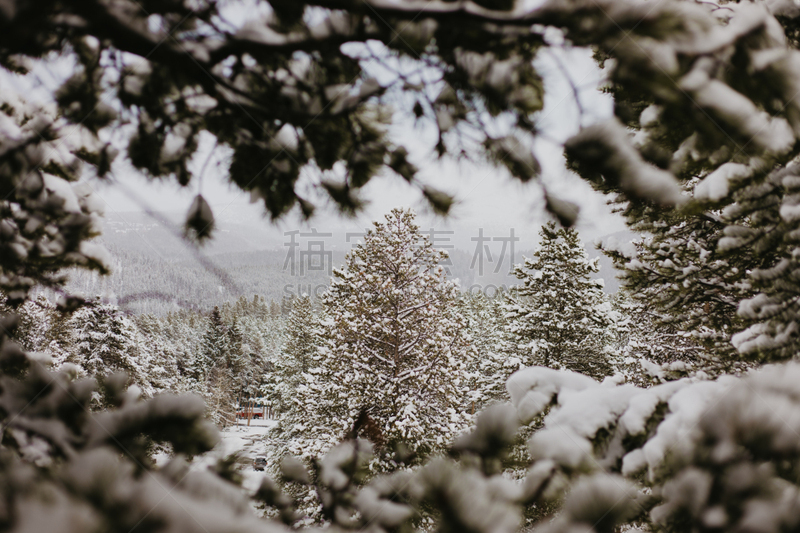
[[247, 441]]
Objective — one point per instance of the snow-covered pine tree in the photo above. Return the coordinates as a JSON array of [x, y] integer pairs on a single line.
[[184, 332], [211, 369], [266, 333], [558, 316], [162, 365], [301, 338], [649, 348], [678, 274], [723, 267], [393, 349], [34, 324], [274, 308], [493, 361], [104, 342], [240, 358], [60, 338], [214, 348], [299, 353]]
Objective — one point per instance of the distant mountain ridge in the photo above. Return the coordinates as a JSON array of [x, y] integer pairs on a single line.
[[156, 271]]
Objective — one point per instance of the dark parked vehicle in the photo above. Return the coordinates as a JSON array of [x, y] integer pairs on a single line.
[[260, 463]]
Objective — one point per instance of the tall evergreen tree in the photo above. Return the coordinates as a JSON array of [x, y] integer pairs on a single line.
[[493, 361], [240, 356], [162, 364], [34, 324], [211, 369], [394, 350], [214, 349], [558, 316], [300, 350], [104, 342]]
